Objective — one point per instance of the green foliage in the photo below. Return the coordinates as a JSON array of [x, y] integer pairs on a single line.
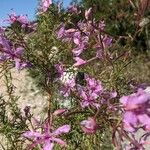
[[12, 123], [123, 19], [43, 49]]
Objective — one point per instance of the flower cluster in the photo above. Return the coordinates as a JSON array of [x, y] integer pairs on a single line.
[[80, 35], [89, 90], [21, 21], [90, 93], [8, 52], [45, 4], [88, 41], [136, 107], [89, 126], [47, 137]]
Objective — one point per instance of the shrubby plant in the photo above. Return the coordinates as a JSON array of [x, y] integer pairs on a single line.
[[82, 70]]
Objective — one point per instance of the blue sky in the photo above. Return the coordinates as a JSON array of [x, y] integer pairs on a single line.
[[20, 7]]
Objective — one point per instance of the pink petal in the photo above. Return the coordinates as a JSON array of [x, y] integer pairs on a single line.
[[32, 134], [17, 64], [59, 141], [130, 117], [63, 129], [76, 40], [89, 126], [19, 51], [144, 119], [79, 61], [87, 13], [46, 4], [77, 51], [124, 100], [48, 145], [128, 127], [113, 95], [87, 131], [59, 112], [70, 30]]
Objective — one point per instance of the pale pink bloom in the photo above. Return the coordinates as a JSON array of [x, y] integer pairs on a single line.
[[88, 13], [46, 4], [23, 19], [77, 51], [59, 111], [71, 30], [79, 61], [89, 126], [77, 38], [73, 9], [12, 17], [130, 121], [113, 94], [68, 87], [144, 119], [61, 32], [19, 51], [101, 25], [47, 138], [135, 100]]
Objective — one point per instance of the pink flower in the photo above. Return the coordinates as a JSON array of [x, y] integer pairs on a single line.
[[135, 100], [5, 43], [47, 138], [19, 51], [89, 126], [88, 13], [68, 87], [79, 61], [59, 68], [59, 112], [144, 119], [136, 107], [46, 4], [61, 32], [130, 121], [101, 25], [77, 38], [23, 19], [73, 9]]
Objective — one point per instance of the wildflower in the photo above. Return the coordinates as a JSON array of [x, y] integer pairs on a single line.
[[77, 38], [136, 107], [90, 92], [47, 138], [73, 9], [68, 87], [60, 69], [88, 13], [46, 4], [59, 111], [5, 43], [79, 61], [61, 32], [135, 100], [89, 126], [22, 19], [101, 25], [130, 121]]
